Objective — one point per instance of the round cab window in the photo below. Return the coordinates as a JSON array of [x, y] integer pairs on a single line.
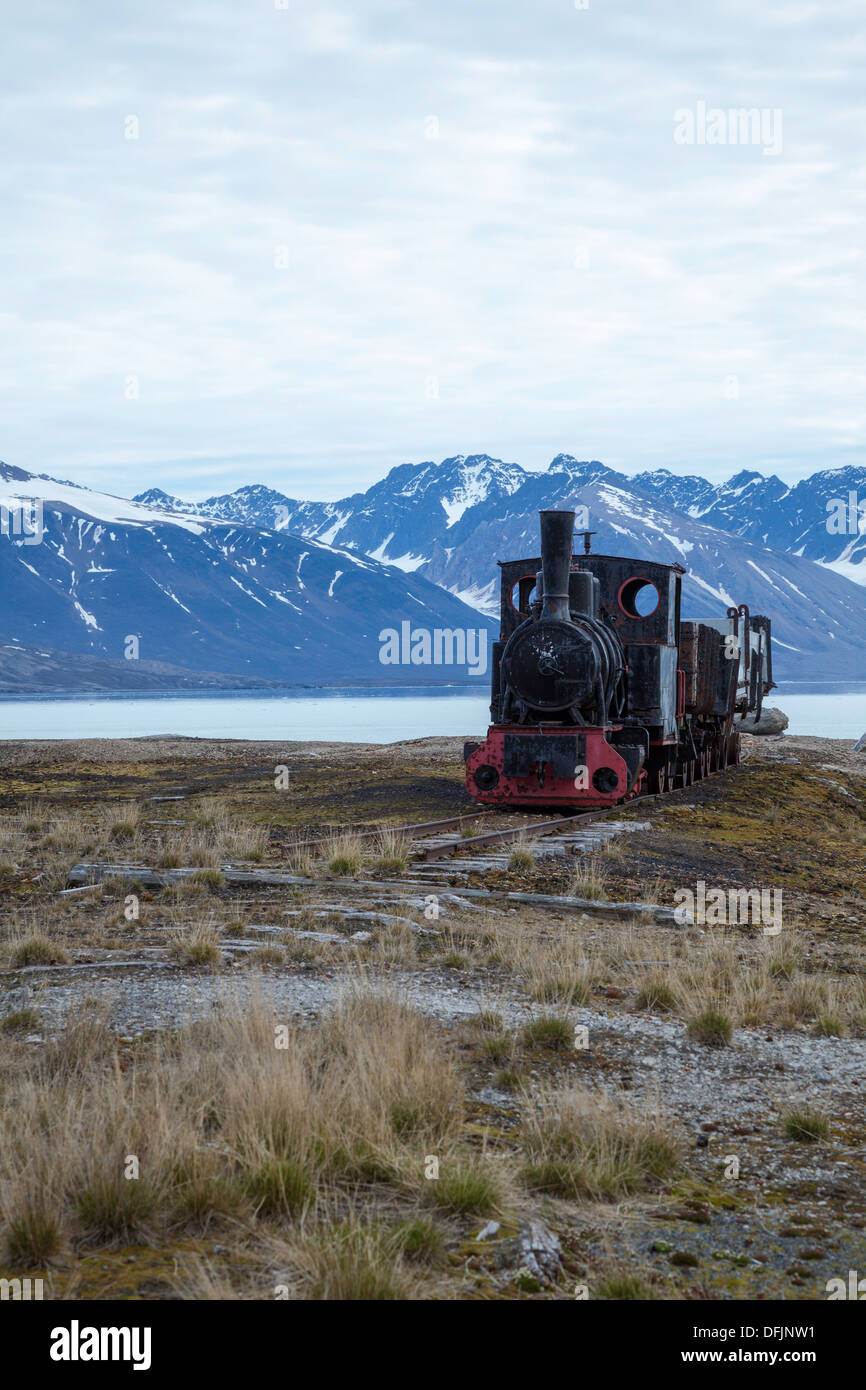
[[525, 588], [638, 598]]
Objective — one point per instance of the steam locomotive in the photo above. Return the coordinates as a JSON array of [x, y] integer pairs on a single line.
[[599, 691]]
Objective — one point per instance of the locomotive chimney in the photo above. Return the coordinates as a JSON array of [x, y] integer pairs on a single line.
[[557, 535]]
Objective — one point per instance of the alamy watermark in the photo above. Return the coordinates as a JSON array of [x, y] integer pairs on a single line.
[[22, 520], [740, 125], [21, 1290], [714, 907], [854, 1288], [441, 646], [846, 516]]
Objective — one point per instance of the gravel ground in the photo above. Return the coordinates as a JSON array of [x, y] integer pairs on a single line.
[[736, 1082]]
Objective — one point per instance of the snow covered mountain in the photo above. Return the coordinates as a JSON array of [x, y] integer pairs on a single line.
[[751, 539], [223, 597], [419, 510], [819, 617], [822, 517], [398, 521], [255, 584]]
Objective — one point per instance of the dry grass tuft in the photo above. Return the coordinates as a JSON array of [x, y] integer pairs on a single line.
[[580, 1145]]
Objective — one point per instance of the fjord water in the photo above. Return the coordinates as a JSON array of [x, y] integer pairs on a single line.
[[349, 715]]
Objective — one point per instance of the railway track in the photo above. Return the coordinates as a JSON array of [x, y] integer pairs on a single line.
[[440, 861], [562, 834]]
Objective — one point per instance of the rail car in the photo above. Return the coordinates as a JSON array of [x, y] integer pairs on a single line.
[[599, 691]]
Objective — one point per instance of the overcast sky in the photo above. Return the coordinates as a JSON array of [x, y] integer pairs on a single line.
[[349, 236]]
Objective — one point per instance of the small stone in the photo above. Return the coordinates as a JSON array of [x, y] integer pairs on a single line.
[[702, 1141], [489, 1231]]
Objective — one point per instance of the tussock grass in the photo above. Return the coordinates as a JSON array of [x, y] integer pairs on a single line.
[[549, 1030], [588, 879], [236, 1119], [580, 1145], [469, 1185], [573, 984], [521, 856], [805, 1125], [623, 1286], [420, 1239], [37, 950], [198, 945], [20, 1021], [344, 853], [710, 1027], [32, 1234], [393, 851], [351, 1261], [267, 955], [471, 828], [85, 1047], [654, 993], [299, 858]]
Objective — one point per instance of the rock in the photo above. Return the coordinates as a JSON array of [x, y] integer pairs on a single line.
[[860, 745], [535, 1251], [489, 1231], [772, 721]]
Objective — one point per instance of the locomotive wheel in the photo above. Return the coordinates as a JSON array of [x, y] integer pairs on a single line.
[[659, 780], [691, 772]]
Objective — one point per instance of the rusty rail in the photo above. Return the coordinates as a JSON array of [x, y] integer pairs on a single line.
[[532, 831]]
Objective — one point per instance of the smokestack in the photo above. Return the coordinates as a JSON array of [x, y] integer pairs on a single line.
[[557, 535]]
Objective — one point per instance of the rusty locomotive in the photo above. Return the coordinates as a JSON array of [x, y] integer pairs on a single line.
[[599, 691]]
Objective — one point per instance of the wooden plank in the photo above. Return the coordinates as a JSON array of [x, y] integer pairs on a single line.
[[163, 877]]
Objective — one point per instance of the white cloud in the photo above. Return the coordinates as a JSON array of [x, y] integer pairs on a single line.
[[571, 277]]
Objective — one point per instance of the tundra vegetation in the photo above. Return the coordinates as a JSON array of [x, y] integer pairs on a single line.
[[373, 1098]]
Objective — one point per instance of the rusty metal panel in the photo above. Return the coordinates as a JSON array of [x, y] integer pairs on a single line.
[[688, 662], [699, 662]]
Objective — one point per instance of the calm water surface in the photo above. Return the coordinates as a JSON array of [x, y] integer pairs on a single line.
[[347, 716]]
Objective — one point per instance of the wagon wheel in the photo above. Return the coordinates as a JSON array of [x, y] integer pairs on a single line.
[[691, 772], [659, 780], [734, 754], [723, 755], [682, 774]]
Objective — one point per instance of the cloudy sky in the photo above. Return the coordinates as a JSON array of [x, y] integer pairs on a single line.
[[299, 242]]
